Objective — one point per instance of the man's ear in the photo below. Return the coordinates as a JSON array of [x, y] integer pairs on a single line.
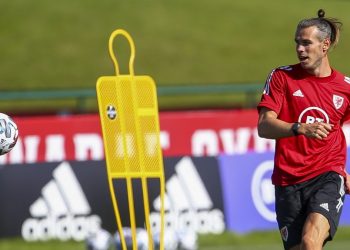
[[326, 44]]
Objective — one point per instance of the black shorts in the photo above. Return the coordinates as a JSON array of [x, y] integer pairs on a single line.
[[323, 194]]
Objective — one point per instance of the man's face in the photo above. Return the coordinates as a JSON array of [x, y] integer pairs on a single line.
[[310, 50]]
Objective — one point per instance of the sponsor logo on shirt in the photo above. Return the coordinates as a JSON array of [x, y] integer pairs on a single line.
[[313, 114]]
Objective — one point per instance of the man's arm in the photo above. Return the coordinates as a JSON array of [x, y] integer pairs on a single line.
[[347, 183], [270, 127]]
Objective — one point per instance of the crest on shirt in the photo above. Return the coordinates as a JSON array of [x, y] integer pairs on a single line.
[[284, 233], [338, 101]]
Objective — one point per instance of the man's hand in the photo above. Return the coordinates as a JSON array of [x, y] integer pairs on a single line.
[[317, 130], [347, 184]]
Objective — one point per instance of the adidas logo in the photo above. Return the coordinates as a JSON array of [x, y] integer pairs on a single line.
[[187, 203], [62, 210], [298, 93], [325, 206]]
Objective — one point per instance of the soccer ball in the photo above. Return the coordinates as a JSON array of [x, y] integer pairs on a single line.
[[8, 134], [171, 241], [141, 239], [188, 239], [100, 240]]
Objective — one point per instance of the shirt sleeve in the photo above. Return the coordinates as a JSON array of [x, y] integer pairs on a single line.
[[346, 117], [274, 92]]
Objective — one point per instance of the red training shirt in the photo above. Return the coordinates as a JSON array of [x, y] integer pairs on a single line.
[[297, 96]]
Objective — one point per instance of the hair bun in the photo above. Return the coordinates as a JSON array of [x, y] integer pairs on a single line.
[[321, 13]]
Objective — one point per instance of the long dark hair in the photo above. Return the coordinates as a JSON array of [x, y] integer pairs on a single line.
[[328, 27]]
